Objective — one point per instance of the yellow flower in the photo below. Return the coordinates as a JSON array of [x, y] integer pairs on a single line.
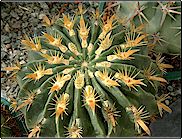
[[106, 78], [32, 44], [133, 41], [55, 59], [28, 101], [79, 80], [111, 113], [124, 55], [107, 27], [15, 68], [68, 24], [90, 97], [128, 78], [61, 104], [39, 72], [56, 41], [139, 115], [83, 31], [161, 65], [59, 83], [73, 48], [75, 130], [34, 132], [47, 22], [161, 105], [104, 44], [149, 74], [14, 103]]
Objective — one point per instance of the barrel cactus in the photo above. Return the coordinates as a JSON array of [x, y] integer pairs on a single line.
[[86, 77], [162, 20]]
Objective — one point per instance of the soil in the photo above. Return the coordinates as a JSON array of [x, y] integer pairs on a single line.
[[11, 123]]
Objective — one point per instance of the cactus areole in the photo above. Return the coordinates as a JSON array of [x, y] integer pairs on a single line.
[[88, 78]]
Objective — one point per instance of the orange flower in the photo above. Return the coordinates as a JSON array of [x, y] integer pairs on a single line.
[[107, 27], [111, 113], [139, 115], [90, 97], [34, 132], [75, 130], [55, 59], [59, 83], [32, 44], [161, 65], [106, 78], [39, 72], [79, 80], [83, 31], [149, 74], [128, 78], [161, 105], [56, 41], [60, 105], [68, 24]]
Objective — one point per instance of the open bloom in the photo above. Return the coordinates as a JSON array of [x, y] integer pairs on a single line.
[[107, 27], [59, 82], [111, 113], [32, 44], [90, 97], [161, 105], [161, 65], [56, 41], [138, 116], [79, 80], [83, 31], [75, 130], [128, 78], [39, 72], [68, 24], [55, 59], [106, 78], [60, 105]]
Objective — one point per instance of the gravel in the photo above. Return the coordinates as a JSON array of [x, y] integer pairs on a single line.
[[18, 18]]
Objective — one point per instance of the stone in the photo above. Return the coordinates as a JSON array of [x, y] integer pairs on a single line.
[[13, 14], [8, 46], [17, 24], [7, 28], [43, 5], [3, 54]]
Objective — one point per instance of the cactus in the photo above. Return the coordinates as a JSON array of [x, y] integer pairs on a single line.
[[162, 20], [88, 78]]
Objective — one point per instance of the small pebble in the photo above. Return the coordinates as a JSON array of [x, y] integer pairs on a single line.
[[167, 102], [170, 88], [7, 28], [173, 93], [8, 46]]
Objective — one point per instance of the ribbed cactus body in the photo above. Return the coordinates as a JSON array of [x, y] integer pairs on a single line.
[[87, 78]]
